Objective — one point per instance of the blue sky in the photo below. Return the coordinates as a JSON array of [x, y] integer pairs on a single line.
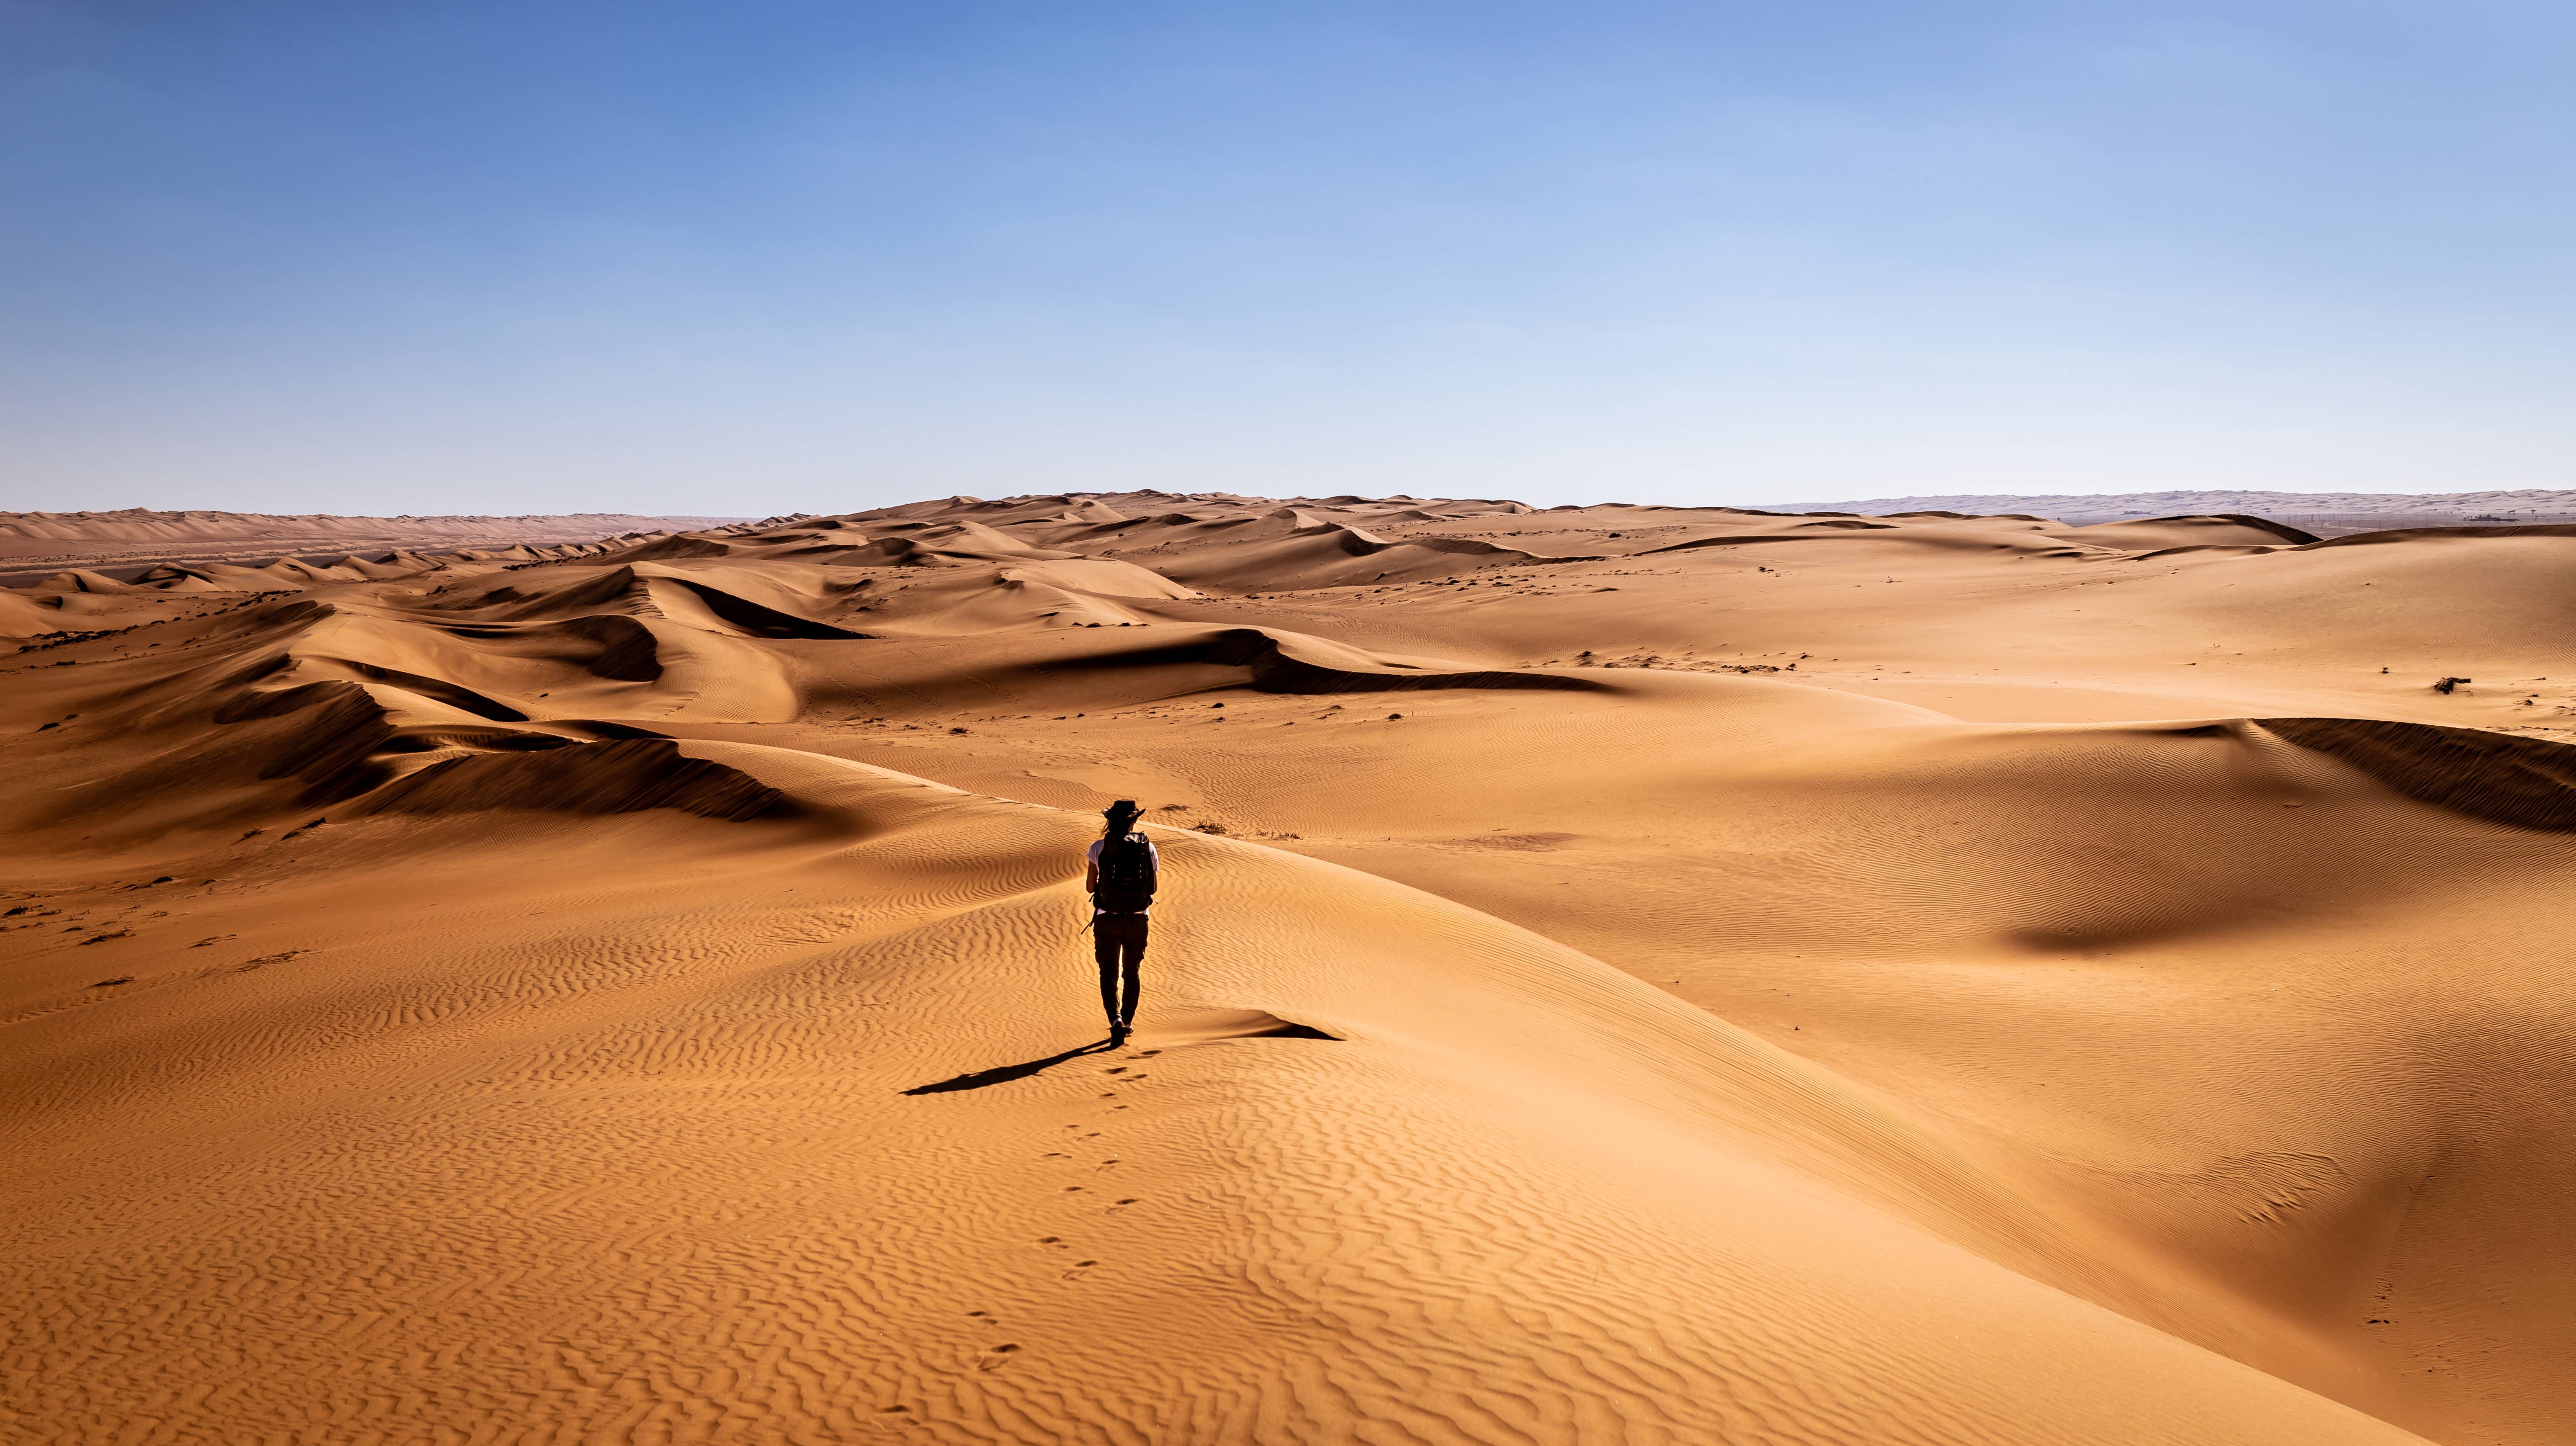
[[760, 257]]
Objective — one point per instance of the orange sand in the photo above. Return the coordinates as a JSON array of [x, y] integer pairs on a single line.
[[1787, 979]]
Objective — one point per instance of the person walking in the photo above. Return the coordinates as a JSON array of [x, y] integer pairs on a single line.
[[1120, 876]]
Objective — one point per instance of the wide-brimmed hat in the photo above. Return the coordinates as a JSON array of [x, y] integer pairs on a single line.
[[1123, 808]]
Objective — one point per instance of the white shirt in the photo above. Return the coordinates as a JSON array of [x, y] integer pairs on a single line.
[[1152, 857]]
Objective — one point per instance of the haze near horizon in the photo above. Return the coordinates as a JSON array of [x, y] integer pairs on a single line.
[[468, 259]]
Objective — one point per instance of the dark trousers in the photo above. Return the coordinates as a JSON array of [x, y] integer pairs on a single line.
[[1118, 942]]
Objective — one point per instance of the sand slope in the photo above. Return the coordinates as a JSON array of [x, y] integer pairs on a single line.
[[1654, 975]]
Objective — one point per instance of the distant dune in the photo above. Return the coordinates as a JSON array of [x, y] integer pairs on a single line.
[[136, 536], [1625, 974], [2520, 505]]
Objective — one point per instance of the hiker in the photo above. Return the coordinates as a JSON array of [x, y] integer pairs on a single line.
[[1121, 875]]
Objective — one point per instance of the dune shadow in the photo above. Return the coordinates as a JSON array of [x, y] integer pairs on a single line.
[[1005, 1073]]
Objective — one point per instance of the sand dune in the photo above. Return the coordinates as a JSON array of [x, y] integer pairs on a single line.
[[1628, 974], [33, 544], [2541, 502]]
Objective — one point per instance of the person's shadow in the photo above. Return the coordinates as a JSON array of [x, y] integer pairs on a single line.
[[1004, 1074]]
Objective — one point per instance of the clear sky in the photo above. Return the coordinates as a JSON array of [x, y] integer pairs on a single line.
[[756, 257]]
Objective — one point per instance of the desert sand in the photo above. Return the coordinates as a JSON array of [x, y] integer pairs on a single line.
[[1625, 974], [128, 541], [2507, 505]]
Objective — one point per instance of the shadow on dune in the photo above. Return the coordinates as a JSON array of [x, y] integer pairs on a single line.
[[2411, 534], [1311, 665], [1203, 1026], [1005, 1073], [2527, 782], [627, 775]]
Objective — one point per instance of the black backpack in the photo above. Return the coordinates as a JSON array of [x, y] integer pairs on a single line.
[[1126, 875]]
